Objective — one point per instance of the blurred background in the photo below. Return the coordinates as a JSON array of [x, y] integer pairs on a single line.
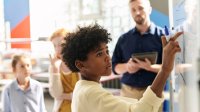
[[26, 25]]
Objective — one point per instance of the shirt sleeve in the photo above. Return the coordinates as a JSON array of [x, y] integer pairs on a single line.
[[148, 103], [6, 101], [116, 57], [105, 102], [55, 84], [42, 105]]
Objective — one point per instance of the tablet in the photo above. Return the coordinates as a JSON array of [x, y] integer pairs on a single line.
[[151, 56]]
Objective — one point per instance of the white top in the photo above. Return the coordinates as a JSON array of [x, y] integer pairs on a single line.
[[89, 96], [56, 91]]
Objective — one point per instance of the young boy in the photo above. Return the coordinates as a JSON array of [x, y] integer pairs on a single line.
[[23, 94], [86, 51]]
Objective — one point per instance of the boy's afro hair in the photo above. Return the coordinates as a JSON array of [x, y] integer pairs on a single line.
[[78, 44]]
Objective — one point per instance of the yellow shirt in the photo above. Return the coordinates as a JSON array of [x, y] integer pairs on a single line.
[[56, 89], [89, 96], [68, 84]]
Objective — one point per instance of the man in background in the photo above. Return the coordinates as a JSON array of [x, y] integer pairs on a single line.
[[144, 37]]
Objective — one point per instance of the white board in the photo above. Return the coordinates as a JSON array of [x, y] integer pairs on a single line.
[[184, 15]]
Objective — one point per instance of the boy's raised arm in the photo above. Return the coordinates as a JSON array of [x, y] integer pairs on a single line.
[[169, 50]]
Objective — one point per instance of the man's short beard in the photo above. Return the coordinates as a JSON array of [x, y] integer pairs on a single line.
[[139, 21]]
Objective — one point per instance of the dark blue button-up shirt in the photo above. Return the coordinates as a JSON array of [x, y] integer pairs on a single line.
[[133, 42]]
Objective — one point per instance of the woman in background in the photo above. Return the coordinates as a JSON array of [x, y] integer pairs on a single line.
[[62, 80]]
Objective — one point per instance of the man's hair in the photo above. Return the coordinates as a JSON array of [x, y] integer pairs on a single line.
[[132, 1], [147, 1], [59, 33], [78, 44]]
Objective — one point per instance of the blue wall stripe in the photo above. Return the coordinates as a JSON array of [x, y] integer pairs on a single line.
[[15, 11], [159, 18]]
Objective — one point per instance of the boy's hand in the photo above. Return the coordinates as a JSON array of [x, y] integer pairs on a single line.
[[169, 50]]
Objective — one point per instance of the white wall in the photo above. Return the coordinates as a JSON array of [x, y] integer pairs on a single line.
[[2, 28], [43, 15]]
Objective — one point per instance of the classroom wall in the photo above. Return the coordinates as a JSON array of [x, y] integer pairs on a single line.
[[2, 34], [160, 13], [114, 15], [17, 14]]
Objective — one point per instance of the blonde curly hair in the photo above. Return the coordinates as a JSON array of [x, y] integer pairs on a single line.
[[59, 33]]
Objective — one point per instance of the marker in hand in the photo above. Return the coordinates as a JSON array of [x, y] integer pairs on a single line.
[[167, 33]]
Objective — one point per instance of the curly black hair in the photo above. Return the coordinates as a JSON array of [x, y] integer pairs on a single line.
[[78, 44]]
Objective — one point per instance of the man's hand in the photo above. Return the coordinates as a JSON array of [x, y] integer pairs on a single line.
[[146, 65], [132, 66]]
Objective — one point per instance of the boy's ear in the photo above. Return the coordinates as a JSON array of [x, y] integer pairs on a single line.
[[79, 65]]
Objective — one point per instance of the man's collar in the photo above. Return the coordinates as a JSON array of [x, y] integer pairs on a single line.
[[151, 29]]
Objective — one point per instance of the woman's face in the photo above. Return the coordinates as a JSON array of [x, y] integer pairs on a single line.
[[57, 41]]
